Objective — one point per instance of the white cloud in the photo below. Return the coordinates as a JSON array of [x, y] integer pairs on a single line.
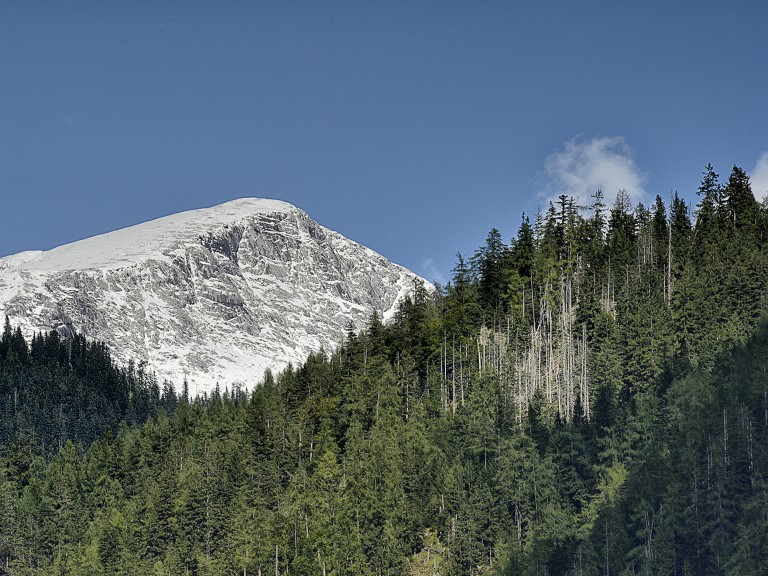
[[759, 177], [584, 166], [430, 272]]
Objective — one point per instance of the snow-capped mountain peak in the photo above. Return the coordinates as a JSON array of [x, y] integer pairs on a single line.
[[149, 240], [214, 295]]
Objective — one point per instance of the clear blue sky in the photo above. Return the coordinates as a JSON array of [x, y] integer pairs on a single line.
[[412, 127]]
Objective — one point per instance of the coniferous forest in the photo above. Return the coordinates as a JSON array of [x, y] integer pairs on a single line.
[[589, 399]]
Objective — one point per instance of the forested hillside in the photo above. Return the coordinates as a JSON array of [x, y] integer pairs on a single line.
[[53, 390], [591, 398]]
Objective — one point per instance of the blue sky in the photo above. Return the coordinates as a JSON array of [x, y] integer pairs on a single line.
[[411, 127]]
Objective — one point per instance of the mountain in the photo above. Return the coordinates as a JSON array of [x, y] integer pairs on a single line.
[[215, 295]]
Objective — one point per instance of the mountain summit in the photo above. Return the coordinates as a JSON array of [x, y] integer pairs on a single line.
[[215, 295]]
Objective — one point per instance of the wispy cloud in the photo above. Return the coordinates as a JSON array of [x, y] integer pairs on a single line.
[[759, 177], [582, 167], [430, 272]]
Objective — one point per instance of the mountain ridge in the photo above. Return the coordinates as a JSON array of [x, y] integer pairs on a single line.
[[126, 243], [213, 296]]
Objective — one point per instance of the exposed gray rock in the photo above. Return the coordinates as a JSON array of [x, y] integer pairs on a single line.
[[212, 295]]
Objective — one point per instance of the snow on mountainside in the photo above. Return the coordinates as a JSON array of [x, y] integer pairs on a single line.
[[211, 295]]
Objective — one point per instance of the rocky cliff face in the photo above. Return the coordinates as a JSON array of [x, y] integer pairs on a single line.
[[214, 296]]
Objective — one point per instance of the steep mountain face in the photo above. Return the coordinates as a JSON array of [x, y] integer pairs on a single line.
[[214, 295]]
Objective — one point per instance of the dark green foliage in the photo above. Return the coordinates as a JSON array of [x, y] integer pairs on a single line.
[[56, 390]]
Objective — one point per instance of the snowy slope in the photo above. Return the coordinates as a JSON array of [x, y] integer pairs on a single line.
[[212, 295]]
